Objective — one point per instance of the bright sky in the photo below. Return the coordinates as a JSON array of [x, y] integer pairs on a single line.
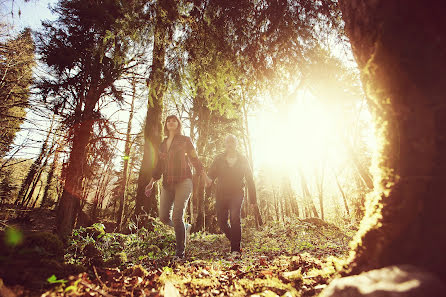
[[32, 13]]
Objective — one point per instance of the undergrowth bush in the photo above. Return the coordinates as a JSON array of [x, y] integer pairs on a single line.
[[94, 246]]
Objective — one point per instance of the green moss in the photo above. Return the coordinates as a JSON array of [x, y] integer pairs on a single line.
[[117, 260], [48, 244], [96, 231]]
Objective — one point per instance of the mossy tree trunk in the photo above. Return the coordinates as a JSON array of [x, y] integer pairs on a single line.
[[400, 50], [157, 83]]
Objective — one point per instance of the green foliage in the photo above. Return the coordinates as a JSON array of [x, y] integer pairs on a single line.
[[13, 237], [16, 63], [11, 178], [34, 259], [53, 280], [96, 231], [87, 246]]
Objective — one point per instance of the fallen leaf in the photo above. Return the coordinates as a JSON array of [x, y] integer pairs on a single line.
[[170, 290], [266, 272]]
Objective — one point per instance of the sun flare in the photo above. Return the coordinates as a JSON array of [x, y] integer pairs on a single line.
[[299, 135]]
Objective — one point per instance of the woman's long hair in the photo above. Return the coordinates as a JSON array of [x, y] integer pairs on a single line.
[[179, 127]]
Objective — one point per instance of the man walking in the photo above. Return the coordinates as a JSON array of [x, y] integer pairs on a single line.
[[231, 169]]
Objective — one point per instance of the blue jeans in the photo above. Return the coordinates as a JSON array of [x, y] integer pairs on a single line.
[[230, 206], [176, 198]]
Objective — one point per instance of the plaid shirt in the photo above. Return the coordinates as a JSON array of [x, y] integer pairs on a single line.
[[174, 164]]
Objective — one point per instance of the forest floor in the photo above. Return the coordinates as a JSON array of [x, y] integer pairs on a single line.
[[293, 258]]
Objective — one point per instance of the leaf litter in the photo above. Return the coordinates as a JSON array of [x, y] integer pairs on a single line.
[[296, 258]]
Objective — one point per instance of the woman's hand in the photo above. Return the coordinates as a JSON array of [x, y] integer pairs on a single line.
[[149, 187]]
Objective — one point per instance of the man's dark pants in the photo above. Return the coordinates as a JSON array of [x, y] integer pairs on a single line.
[[230, 206]]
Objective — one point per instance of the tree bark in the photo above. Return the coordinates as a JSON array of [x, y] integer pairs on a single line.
[[399, 47], [307, 196], [363, 172], [33, 170], [342, 193], [320, 187], [50, 178], [38, 194], [204, 115], [153, 127], [69, 204], [127, 148]]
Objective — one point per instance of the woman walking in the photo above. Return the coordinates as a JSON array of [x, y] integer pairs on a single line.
[[176, 153]]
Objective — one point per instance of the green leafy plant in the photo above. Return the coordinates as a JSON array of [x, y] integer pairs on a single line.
[[53, 280]]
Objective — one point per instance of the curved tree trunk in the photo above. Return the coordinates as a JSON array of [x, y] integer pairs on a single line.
[[400, 49], [153, 127]]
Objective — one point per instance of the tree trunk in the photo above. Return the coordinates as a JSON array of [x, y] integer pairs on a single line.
[[342, 193], [320, 187], [50, 178], [30, 177], [33, 186], [202, 114], [98, 193], [198, 192], [153, 127], [307, 196], [363, 172], [400, 50], [295, 205], [38, 195], [127, 147], [69, 204], [282, 201], [276, 205], [37, 176]]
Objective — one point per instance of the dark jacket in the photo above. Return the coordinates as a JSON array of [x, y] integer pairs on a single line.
[[231, 180]]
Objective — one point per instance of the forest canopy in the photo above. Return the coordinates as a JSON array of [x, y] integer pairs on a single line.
[[92, 105]]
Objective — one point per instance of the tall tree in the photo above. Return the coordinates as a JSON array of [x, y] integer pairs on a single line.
[[7, 186], [34, 172], [16, 63], [399, 48], [125, 170], [87, 49], [165, 16], [307, 196]]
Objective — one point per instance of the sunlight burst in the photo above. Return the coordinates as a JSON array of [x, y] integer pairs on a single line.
[[300, 135]]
